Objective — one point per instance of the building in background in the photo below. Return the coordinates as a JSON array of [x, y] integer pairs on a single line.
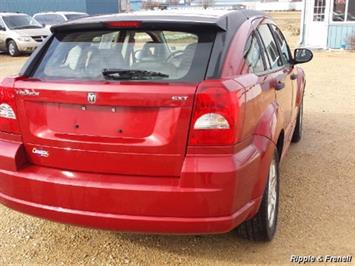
[[31, 7], [328, 24], [136, 5], [93, 7], [264, 5]]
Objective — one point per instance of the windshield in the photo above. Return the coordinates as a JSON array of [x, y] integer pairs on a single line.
[[127, 55], [50, 19], [75, 16], [21, 22]]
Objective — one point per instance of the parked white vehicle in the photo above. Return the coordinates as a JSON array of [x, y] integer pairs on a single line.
[[20, 33], [48, 19]]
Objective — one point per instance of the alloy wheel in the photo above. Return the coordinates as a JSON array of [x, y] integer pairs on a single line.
[[272, 193], [12, 49]]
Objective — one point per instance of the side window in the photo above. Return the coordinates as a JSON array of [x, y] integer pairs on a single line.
[[281, 41], [254, 56], [2, 23], [270, 46]]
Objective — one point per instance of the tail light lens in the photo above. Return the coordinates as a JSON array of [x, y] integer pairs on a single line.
[[8, 118], [214, 120], [6, 111], [211, 121]]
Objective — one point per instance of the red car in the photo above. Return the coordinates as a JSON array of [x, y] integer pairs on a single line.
[[154, 122]]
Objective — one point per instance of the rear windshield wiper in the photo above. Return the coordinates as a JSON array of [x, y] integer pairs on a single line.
[[131, 74]]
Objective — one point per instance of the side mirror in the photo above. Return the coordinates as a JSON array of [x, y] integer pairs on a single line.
[[302, 55], [2, 28]]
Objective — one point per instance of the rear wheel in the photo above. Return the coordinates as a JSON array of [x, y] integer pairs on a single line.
[[297, 134], [13, 49], [262, 226]]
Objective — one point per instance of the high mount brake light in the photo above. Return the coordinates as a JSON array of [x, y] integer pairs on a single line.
[[123, 24], [215, 115], [8, 121]]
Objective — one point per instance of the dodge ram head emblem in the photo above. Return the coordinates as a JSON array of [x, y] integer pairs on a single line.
[[91, 97]]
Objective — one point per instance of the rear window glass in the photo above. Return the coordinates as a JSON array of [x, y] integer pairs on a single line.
[[134, 55], [75, 16]]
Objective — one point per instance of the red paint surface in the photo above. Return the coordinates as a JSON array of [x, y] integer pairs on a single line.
[[125, 163]]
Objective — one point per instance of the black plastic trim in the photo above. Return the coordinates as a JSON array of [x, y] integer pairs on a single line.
[[35, 57]]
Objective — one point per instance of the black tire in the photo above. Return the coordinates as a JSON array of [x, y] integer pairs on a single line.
[[297, 134], [12, 48], [262, 227]]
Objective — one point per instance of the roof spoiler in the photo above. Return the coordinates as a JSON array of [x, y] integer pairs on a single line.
[[145, 24]]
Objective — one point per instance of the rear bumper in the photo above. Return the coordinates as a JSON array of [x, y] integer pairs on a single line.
[[213, 195], [121, 222]]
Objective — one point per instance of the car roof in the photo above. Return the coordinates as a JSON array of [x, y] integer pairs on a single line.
[[11, 13], [203, 15], [222, 19], [60, 13]]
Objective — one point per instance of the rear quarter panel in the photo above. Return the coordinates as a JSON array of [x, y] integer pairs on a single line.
[[261, 123], [261, 116]]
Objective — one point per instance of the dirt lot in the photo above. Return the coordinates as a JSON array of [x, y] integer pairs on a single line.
[[317, 211]]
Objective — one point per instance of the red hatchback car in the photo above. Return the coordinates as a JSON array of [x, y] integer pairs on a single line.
[[154, 122]]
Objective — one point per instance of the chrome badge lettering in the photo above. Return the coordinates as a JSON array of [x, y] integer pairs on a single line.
[[42, 153], [27, 92], [179, 98]]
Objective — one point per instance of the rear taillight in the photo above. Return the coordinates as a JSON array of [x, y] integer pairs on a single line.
[[214, 120], [8, 118], [6, 111]]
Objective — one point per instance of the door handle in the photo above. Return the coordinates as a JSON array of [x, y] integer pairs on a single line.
[[279, 85], [293, 76]]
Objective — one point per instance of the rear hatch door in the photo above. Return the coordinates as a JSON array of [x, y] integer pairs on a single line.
[[121, 128]]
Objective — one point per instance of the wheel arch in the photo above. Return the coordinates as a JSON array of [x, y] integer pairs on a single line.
[[270, 123], [270, 132], [280, 142], [8, 40]]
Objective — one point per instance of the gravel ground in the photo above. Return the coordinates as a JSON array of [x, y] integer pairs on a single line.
[[317, 210]]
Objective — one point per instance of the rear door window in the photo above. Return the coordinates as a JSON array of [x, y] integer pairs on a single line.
[[254, 56], [273, 55], [86, 55], [282, 43]]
